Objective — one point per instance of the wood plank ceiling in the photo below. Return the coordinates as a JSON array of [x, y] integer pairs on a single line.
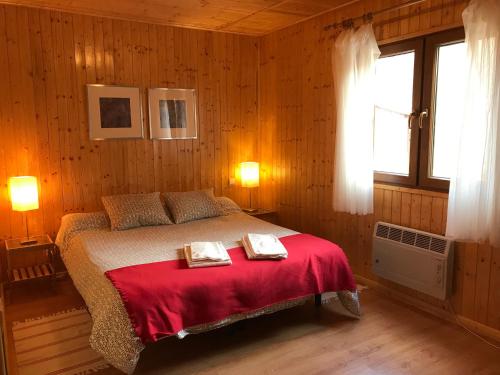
[[250, 17]]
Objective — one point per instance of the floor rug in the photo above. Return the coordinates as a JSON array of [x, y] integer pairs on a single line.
[[56, 345]]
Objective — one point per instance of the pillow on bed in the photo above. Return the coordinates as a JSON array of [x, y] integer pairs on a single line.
[[227, 205], [135, 210], [75, 223], [192, 205]]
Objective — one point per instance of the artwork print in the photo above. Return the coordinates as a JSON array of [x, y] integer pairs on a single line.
[[172, 113], [114, 112]]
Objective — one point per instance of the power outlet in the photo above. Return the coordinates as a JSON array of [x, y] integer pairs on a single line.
[[232, 181]]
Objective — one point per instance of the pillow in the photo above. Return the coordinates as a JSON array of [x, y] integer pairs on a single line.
[[135, 210], [227, 205], [72, 224], [192, 205]]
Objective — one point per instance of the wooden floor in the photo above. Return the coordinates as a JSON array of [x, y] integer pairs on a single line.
[[391, 338]]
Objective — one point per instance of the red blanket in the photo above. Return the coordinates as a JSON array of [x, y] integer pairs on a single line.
[[165, 297]]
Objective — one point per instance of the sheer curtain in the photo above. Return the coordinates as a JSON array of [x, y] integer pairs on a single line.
[[354, 57], [474, 201]]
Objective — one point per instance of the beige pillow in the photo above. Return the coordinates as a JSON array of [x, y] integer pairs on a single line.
[[192, 205], [135, 210], [72, 224], [227, 205]]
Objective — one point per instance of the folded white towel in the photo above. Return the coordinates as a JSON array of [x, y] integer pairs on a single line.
[[206, 254], [263, 246], [202, 251]]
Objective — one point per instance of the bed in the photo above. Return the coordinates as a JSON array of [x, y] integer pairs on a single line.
[[90, 249]]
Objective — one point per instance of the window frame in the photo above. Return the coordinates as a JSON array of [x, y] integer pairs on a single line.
[[417, 46], [424, 89]]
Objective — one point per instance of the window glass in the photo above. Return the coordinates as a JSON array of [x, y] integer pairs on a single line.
[[393, 104], [448, 103]]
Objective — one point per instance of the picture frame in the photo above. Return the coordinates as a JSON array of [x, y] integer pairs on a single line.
[[172, 113], [114, 112]]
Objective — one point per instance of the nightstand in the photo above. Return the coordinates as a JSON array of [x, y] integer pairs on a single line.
[[30, 262], [264, 214]]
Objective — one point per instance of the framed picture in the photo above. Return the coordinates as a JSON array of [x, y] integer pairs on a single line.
[[172, 113], [114, 112]]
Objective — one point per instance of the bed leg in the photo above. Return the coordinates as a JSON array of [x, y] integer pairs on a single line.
[[317, 299]]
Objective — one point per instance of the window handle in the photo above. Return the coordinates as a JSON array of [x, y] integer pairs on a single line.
[[424, 113], [410, 117]]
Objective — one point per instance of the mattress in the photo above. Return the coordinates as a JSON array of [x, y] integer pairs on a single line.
[[89, 248]]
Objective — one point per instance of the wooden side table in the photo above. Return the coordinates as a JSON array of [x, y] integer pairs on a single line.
[[30, 262], [264, 214]]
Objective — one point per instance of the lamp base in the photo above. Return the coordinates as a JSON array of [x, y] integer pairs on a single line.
[[28, 241], [250, 210]]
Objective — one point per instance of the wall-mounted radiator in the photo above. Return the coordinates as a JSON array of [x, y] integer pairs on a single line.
[[419, 260]]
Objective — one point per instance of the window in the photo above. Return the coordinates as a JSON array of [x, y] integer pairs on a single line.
[[418, 101]]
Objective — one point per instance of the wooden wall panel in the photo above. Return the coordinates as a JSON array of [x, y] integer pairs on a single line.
[[298, 115], [47, 59]]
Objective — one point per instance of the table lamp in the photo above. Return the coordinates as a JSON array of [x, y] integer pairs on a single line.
[[249, 172], [23, 191]]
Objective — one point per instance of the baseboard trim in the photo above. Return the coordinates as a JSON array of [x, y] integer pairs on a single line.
[[476, 327], [479, 328]]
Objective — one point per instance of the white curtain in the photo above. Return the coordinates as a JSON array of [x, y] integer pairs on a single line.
[[474, 201], [354, 57]]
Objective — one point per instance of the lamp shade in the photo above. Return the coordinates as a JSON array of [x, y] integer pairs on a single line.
[[23, 192], [249, 172]]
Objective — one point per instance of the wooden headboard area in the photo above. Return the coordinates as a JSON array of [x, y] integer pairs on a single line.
[[46, 60]]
